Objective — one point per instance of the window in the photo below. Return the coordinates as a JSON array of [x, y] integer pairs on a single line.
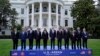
[[52, 21], [30, 11], [14, 9], [22, 22], [53, 10], [74, 21], [66, 12], [59, 22], [22, 10], [44, 9], [36, 22], [37, 10], [29, 22], [66, 22], [44, 22]]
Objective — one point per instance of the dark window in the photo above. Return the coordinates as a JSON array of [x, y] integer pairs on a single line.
[[44, 9], [74, 22], [52, 22], [30, 10], [29, 22], [22, 10], [44, 22], [66, 22], [53, 10], [59, 22], [22, 22], [37, 10], [66, 12], [37, 22]]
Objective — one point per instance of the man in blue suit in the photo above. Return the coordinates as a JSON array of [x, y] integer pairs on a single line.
[[84, 38], [52, 37], [23, 37]]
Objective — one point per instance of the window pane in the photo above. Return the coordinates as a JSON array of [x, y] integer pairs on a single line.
[[66, 12], [22, 22], [22, 11], [66, 22], [44, 22]]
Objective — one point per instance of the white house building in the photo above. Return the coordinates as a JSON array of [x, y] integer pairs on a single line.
[[44, 13]]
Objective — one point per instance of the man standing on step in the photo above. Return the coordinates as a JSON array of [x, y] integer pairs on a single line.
[[31, 38], [78, 37], [52, 35], [15, 36], [38, 38], [45, 38], [66, 37], [23, 37], [59, 38]]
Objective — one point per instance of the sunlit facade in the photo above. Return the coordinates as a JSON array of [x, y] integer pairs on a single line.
[[44, 13]]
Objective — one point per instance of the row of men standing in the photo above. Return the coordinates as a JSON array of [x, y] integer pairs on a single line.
[[78, 38]]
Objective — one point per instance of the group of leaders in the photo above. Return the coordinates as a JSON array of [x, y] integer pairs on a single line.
[[77, 37]]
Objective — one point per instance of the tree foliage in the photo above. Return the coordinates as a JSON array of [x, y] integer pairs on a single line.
[[83, 11], [5, 12]]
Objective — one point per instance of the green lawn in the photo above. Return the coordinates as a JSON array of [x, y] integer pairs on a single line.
[[6, 46]]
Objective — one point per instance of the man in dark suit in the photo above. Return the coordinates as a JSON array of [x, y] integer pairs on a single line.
[[66, 37], [38, 38], [15, 36], [45, 38], [73, 39], [52, 37], [23, 37], [84, 38], [59, 38], [30, 37], [78, 37]]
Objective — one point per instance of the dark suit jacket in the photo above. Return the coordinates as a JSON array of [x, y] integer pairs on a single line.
[[23, 36], [37, 35], [45, 35], [78, 35], [73, 37], [66, 34], [14, 35], [85, 36], [30, 34], [59, 35], [52, 35]]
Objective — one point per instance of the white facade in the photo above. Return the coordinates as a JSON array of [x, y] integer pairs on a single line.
[[44, 13]]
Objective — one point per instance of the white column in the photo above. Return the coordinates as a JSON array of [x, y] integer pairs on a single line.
[[57, 16], [49, 15], [27, 19], [70, 20], [62, 15], [40, 16], [32, 23]]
